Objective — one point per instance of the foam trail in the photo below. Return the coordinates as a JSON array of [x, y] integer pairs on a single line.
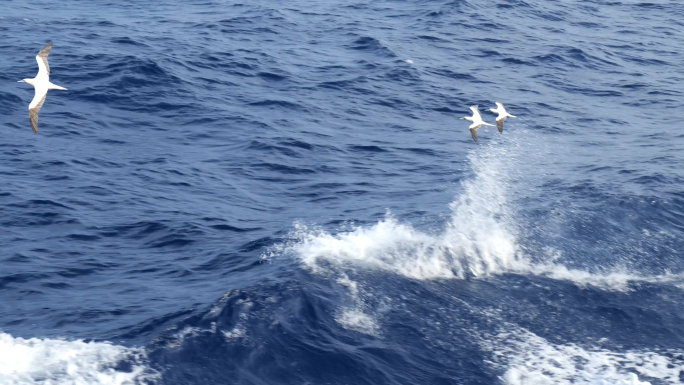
[[54, 361], [615, 280]]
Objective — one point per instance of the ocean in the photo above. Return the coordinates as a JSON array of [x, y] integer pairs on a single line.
[[282, 193]]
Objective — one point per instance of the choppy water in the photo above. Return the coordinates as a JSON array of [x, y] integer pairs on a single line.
[[268, 193]]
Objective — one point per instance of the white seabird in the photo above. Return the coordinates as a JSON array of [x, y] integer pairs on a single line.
[[42, 84], [477, 121], [502, 115]]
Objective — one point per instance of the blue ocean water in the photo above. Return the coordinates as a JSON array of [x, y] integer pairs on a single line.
[[282, 193]]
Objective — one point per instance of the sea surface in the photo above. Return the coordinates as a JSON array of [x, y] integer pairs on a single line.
[[269, 192]]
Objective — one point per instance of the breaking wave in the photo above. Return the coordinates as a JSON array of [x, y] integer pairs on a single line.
[[480, 239]]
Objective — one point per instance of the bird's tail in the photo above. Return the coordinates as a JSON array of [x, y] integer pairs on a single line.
[[494, 110], [511, 116], [487, 124], [55, 87]]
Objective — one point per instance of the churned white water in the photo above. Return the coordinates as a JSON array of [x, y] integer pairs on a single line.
[[55, 362], [529, 359]]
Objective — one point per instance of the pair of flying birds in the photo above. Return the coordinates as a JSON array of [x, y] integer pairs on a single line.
[[42, 84], [477, 119]]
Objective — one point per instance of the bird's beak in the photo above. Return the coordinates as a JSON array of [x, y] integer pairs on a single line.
[[21, 81], [461, 118]]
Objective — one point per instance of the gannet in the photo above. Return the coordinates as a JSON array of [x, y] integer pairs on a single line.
[[477, 121], [42, 84], [502, 115]]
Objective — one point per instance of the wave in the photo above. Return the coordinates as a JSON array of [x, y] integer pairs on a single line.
[[370, 44], [56, 361], [483, 237], [479, 240]]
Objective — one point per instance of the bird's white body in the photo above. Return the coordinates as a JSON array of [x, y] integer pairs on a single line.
[[41, 83], [477, 121], [502, 115]]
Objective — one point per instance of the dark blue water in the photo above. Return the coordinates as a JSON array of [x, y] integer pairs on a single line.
[[269, 193]]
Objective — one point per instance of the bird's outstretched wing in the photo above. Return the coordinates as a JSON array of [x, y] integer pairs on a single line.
[[476, 112], [473, 132], [35, 106], [499, 123], [499, 104], [43, 66]]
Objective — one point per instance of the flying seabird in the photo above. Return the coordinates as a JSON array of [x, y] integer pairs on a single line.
[[502, 115], [477, 121], [42, 84]]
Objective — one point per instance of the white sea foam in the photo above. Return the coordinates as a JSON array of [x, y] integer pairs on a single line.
[[529, 359], [236, 332], [480, 239], [356, 317], [54, 361]]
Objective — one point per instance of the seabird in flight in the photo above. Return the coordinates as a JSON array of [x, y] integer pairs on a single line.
[[502, 115], [42, 84], [477, 122]]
